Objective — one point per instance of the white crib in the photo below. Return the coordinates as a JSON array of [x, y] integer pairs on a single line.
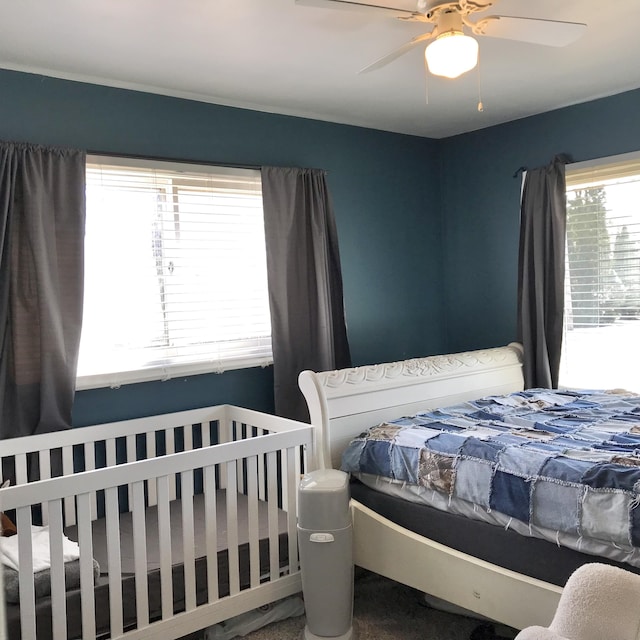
[[191, 518]]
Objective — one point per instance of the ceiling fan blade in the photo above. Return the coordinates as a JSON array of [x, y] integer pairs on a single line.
[[551, 33], [348, 5], [390, 57]]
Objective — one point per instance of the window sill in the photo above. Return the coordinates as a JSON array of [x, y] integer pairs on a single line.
[[116, 379]]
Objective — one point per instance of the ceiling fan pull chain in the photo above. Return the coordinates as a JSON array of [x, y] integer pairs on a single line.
[[426, 81], [480, 105]]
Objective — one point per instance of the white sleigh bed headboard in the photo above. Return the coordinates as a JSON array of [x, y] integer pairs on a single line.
[[344, 403]]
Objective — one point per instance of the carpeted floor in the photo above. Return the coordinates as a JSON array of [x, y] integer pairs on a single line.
[[386, 610]]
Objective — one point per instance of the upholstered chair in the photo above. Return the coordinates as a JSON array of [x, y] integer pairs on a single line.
[[599, 602]]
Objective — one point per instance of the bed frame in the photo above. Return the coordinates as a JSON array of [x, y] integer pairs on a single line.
[[91, 478], [344, 403]]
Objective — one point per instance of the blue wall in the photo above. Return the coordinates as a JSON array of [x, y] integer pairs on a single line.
[[384, 186], [480, 206], [428, 229]]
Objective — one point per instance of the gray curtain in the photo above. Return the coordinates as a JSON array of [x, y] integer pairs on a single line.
[[305, 282], [541, 267], [42, 214]]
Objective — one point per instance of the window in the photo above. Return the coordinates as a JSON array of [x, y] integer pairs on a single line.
[[602, 283], [175, 272]]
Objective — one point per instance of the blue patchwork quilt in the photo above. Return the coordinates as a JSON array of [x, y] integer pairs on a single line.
[[566, 460]]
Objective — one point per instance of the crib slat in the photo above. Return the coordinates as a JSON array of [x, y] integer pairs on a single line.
[[131, 448], [85, 542], [20, 462], [232, 528], [188, 437], [111, 453], [152, 498], [89, 465], [253, 521], [272, 511], [170, 440], [164, 540], [206, 433], [112, 523], [58, 600], [225, 434], [89, 456], [25, 575], [170, 447], [289, 477], [140, 554], [211, 532], [44, 464], [110, 450], [284, 485], [240, 434], [225, 430], [67, 470], [188, 540], [262, 491], [131, 457]]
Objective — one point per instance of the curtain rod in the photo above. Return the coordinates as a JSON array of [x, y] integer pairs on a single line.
[[231, 165], [563, 158]]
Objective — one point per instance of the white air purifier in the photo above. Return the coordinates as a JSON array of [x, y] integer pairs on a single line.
[[326, 554]]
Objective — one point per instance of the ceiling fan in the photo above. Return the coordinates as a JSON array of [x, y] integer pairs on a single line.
[[452, 51]]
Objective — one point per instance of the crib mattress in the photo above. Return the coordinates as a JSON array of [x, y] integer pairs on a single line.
[[74, 624]]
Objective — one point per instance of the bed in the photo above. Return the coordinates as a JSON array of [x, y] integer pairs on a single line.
[[177, 522], [476, 558]]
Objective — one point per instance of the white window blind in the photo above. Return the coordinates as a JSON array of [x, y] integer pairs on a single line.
[[175, 271], [601, 339]]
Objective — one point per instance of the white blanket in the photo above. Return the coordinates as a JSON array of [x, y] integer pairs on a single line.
[[40, 550]]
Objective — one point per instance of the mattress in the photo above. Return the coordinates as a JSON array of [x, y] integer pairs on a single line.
[[560, 466], [505, 548], [74, 625]]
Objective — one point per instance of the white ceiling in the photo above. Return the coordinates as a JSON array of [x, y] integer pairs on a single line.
[[276, 56]]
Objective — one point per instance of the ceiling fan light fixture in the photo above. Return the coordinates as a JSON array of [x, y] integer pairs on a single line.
[[451, 54]]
